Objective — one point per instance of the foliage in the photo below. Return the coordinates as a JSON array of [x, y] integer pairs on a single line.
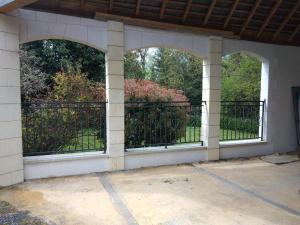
[[148, 107], [62, 55], [241, 76], [135, 64], [37, 138], [249, 125], [167, 67], [146, 90], [60, 119], [76, 87], [33, 80]]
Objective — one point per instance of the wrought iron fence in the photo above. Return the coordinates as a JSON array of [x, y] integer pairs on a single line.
[[241, 120], [63, 127], [162, 123]]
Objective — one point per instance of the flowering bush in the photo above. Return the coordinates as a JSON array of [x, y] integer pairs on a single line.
[[149, 91], [152, 116]]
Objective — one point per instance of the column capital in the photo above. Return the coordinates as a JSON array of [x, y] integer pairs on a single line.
[[115, 26]]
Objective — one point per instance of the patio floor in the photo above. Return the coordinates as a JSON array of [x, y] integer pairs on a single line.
[[232, 192]]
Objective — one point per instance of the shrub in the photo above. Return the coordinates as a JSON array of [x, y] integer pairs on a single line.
[[50, 125], [76, 87], [46, 130], [152, 117]]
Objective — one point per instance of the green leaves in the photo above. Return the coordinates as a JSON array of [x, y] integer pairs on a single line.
[[241, 75]]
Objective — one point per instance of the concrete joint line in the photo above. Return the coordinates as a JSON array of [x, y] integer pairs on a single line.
[[248, 191], [117, 200]]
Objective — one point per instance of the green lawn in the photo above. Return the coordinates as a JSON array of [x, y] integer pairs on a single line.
[[193, 135], [86, 140]]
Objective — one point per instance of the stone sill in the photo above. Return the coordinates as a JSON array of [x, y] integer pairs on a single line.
[[162, 149], [227, 144], [63, 157]]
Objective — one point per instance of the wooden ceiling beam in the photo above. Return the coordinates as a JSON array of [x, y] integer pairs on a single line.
[[251, 14], [186, 10], [82, 5], [163, 8], [54, 4], [286, 20], [291, 37], [111, 5], [10, 5], [233, 7], [265, 24], [138, 7], [163, 25], [210, 9]]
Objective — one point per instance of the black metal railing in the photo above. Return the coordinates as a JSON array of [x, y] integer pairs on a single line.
[[63, 127], [162, 123], [241, 120]]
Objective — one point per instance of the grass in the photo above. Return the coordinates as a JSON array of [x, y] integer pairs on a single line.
[[194, 134], [86, 140]]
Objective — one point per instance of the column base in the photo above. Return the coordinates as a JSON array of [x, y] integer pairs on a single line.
[[213, 154], [116, 163]]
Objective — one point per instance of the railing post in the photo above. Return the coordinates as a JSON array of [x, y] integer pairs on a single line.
[[211, 85], [115, 94]]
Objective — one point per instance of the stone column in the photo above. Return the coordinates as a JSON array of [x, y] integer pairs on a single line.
[[211, 85], [11, 153], [115, 94]]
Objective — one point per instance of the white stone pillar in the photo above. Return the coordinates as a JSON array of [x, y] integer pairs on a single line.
[[115, 94], [211, 93], [11, 153]]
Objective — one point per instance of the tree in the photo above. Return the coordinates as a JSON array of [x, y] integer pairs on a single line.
[[62, 55], [241, 76], [135, 64], [179, 70], [33, 80]]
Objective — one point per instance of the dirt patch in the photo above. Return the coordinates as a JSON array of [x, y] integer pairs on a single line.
[[9, 215]]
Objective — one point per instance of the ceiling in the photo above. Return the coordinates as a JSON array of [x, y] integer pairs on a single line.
[[270, 21]]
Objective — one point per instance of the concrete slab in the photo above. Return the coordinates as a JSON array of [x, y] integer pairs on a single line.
[[234, 192], [67, 201], [280, 158]]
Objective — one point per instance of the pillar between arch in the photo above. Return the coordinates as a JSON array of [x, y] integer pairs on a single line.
[[11, 153], [211, 94], [115, 95]]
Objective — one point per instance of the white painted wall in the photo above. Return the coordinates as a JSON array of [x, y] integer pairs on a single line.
[[11, 158], [36, 167], [160, 156], [139, 37]]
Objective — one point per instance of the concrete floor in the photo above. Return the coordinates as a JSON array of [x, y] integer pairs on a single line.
[[232, 192]]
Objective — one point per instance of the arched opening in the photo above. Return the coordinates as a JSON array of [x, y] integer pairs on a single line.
[[63, 97], [163, 98], [243, 97]]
